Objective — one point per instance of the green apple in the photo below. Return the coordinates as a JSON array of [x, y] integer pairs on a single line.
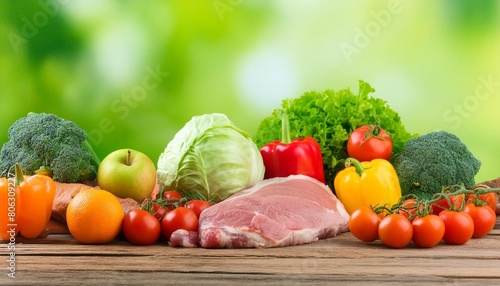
[[127, 173]]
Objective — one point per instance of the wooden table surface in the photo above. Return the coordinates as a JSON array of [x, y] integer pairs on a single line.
[[60, 260]]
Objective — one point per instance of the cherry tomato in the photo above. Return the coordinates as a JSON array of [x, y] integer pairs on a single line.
[[458, 226], [140, 227], [369, 142], [395, 231], [409, 208], [179, 218], [364, 223], [490, 199], [484, 219], [158, 210], [198, 206], [443, 204], [172, 197], [382, 214], [428, 230]]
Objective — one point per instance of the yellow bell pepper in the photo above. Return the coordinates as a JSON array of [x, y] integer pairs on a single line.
[[373, 183]]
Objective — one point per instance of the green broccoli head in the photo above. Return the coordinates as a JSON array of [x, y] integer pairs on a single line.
[[48, 140], [430, 162]]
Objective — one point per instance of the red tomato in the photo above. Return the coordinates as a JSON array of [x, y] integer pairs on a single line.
[[458, 226], [409, 208], [154, 208], [427, 230], [198, 206], [369, 142], [179, 218], [172, 197], [484, 219], [158, 211], [443, 204], [364, 223], [490, 199], [395, 231], [140, 227]]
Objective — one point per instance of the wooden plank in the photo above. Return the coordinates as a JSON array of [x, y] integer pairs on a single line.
[[58, 259], [170, 278], [305, 268]]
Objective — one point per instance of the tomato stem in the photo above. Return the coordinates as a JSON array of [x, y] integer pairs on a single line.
[[422, 206]]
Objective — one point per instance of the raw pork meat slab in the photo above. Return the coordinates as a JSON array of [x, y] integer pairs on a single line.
[[275, 212]]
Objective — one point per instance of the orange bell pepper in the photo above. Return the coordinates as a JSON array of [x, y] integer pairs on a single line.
[[26, 204]]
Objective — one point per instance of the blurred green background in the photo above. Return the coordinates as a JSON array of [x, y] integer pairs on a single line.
[[132, 73]]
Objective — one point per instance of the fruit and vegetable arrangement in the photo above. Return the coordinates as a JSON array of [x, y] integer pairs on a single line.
[[321, 164]]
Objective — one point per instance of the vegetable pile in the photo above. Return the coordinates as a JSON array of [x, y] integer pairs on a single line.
[[330, 117], [396, 186]]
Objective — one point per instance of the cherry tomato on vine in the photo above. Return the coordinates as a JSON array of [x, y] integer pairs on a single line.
[[484, 219], [170, 195], [364, 223], [458, 226], [140, 227], [490, 199], [174, 196], [158, 210], [179, 218], [369, 142], [395, 231], [154, 208], [198, 206], [428, 230], [443, 204], [409, 208]]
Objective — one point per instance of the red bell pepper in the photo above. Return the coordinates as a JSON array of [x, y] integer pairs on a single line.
[[292, 157]]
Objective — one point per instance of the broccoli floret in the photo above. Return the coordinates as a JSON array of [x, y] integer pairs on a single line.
[[46, 140], [74, 172], [12, 153], [430, 162]]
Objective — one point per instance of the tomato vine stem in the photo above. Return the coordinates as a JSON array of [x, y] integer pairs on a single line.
[[422, 206]]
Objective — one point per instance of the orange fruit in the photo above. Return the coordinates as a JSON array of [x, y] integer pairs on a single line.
[[94, 216]]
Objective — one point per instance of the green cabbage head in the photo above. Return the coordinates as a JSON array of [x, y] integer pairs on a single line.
[[211, 159]]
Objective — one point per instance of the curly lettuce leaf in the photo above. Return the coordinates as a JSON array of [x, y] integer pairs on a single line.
[[330, 116]]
